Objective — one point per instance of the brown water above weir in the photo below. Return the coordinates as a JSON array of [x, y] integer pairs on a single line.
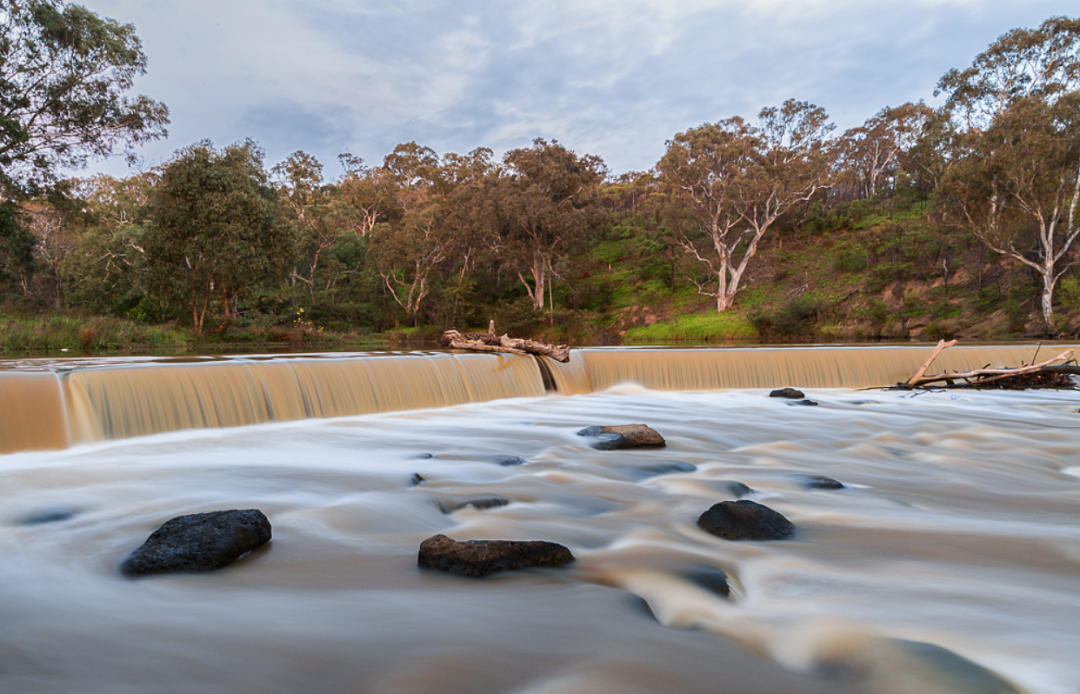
[[112, 400]]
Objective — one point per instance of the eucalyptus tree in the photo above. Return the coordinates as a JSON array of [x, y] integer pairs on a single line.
[[1014, 174], [733, 179], [215, 229], [105, 271], [547, 201], [877, 150], [319, 216], [413, 242], [436, 219], [64, 74]]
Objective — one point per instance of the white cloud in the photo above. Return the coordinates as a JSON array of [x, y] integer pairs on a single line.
[[611, 77]]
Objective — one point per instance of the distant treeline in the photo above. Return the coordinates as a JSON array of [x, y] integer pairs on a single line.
[[213, 238]]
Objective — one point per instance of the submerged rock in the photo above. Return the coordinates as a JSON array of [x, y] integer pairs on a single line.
[[476, 558], [416, 479], [480, 504], [647, 471], [52, 515], [738, 489], [745, 520], [198, 542], [711, 579], [624, 436], [821, 482], [805, 403], [787, 393], [510, 460]]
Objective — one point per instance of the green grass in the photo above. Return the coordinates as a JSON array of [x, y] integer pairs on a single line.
[[714, 327], [94, 335]]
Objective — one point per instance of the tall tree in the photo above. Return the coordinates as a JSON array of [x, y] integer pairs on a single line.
[[408, 249], [877, 150], [734, 180], [215, 229], [64, 72], [105, 271], [547, 201], [317, 212], [1014, 176]]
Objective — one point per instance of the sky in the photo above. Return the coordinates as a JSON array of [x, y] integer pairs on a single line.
[[614, 78]]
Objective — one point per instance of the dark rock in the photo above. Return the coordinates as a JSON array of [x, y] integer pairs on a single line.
[[417, 478], [821, 482], [424, 456], [475, 558], [787, 393], [745, 520], [52, 515], [647, 471], [198, 542], [624, 436], [711, 579], [479, 504], [738, 489], [510, 461], [806, 403]]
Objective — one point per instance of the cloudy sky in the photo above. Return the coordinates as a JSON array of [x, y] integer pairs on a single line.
[[615, 78]]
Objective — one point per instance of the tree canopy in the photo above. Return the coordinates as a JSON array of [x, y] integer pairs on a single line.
[[1014, 177], [215, 229], [64, 74], [735, 179]]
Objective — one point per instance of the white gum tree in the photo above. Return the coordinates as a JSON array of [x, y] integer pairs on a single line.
[[736, 179]]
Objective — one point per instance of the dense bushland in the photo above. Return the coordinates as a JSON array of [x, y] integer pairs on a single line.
[[920, 224]]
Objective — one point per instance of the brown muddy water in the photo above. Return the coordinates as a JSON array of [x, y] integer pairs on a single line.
[[949, 562]]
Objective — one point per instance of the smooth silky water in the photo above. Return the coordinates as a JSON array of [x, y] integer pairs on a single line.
[[949, 563]]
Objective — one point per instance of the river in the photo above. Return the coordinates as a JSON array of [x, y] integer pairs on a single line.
[[949, 561]]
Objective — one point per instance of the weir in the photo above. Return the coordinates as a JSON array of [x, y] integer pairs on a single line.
[[60, 405]]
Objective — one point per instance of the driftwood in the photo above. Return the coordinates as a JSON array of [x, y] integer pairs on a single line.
[[1041, 375], [490, 342]]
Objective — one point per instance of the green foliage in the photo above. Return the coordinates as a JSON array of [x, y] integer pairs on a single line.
[[849, 256], [1068, 293], [76, 335], [16, 244], [795, 317], [214, 230], [695, 328], [518, 317], [64, 72]]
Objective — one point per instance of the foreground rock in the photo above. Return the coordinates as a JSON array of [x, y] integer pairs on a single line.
[[199, 542], [624, 436], [745, 520], [475, 558], [789, 393]]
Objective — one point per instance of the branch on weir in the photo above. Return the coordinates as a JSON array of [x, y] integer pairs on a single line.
[[1041, 375], [490, 342]]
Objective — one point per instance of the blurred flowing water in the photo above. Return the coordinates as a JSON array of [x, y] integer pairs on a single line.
[[949, 562]]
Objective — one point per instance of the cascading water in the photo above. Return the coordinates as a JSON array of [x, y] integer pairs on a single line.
[[949, 561], [113, 399]]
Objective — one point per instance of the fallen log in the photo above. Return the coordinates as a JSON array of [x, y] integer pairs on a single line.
[[1041, 375], [490, 342], [941, 345]]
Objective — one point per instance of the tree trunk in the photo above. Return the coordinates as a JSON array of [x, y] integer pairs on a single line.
[[1049, 280]]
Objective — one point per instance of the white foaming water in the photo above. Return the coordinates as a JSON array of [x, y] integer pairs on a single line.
[[949, 563]]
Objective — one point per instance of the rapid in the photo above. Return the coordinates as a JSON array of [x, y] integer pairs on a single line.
[[949, 561]]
